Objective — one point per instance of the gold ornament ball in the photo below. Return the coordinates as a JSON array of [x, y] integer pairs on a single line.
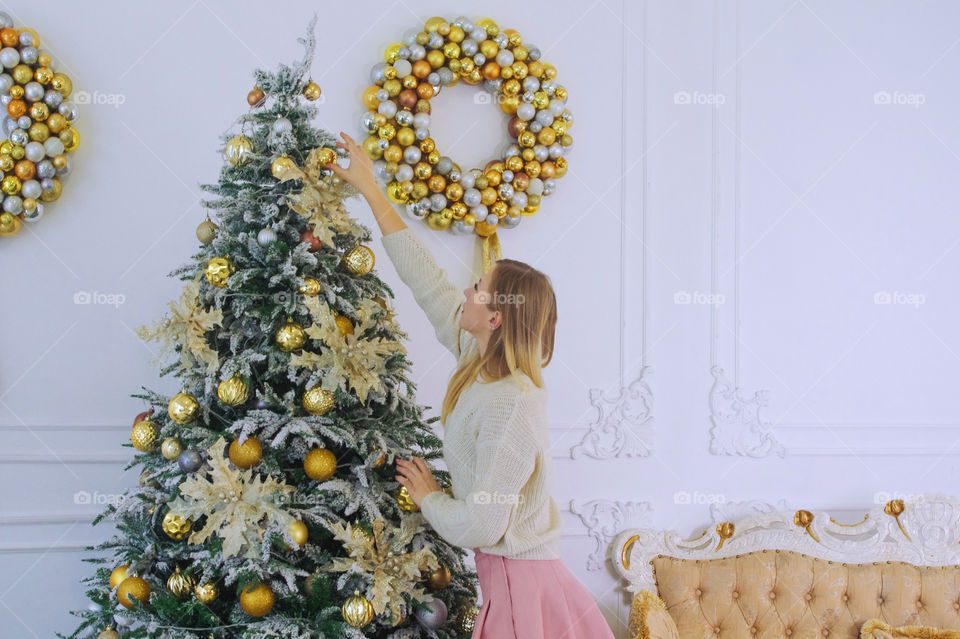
[[405, 501], [360, 260], [239, 150], [206, 231], [257, 600], [10, 185], [133, 587], [357, 610], [344, 325], [281, 165], [318, 401], [183, 408], [108, 633], [467, 619], [326, 155], [9, 224], [144, 436], [256, 97], [310, 286], [290, 337], [206, 593], [298, 530], [439, 578], [54, 194], [246, 455], [181, 585], [320, 464], [171, 448], [118, 575], [233, 391], [218, 271], [311, 91], [176, 526]]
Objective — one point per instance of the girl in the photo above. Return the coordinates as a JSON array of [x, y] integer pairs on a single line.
[[496, 446]]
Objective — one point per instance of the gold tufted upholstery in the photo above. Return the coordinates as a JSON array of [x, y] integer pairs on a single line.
[[787, 595]]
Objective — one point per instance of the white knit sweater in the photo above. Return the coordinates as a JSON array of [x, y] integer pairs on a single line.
[[496, 444]]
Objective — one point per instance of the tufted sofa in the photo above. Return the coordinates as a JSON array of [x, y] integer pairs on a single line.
[[799, 575]]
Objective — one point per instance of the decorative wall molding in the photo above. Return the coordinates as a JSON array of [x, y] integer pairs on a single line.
[[738, 428], [603, 518], [734, 510], [624, 425], [923, 531]]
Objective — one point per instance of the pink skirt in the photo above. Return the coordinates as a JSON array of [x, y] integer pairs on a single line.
[[534, 599]]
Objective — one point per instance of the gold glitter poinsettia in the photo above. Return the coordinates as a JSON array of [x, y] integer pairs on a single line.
[[321, 200], [186, 325], [350, 360], [238, 504], [395, 573]]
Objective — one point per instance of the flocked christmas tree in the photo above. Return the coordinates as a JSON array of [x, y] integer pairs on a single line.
[[268, 505]]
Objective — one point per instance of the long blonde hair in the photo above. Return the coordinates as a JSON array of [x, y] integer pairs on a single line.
[[524, 340]]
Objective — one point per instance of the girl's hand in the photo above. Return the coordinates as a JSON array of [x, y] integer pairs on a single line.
[[417, 478], [359, 173]]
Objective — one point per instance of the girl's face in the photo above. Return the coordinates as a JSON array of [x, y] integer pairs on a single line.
[[476, 317]]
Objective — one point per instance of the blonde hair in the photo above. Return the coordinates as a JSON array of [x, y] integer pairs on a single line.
[[524, 340]]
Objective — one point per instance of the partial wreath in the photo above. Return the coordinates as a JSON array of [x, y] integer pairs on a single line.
[[432, 186], [38, 126]]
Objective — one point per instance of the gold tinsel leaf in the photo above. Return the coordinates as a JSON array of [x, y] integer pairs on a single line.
[[186, 325]]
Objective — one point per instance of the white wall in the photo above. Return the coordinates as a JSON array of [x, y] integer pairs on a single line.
[[786, 190]]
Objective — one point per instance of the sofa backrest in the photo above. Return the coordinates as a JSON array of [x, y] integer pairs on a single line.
[[803, 574]]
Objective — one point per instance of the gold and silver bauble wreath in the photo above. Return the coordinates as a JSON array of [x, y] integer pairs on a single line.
[[434, 187], [38, 127]]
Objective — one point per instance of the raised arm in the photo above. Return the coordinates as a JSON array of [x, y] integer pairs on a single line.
[[440, 299]]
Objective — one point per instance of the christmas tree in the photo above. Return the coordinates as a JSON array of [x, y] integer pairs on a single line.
[[268, 505]]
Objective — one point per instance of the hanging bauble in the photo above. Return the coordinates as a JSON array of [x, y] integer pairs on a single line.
[[310, 286], [183, 408], [180, 585], [189, 461], [405, 501], [171, 448], [246, 455], [219, 269], [311, 239], [359, 260], [357, 610], [206, 593], [290, 337], [282, 126], [118, 575], [344, 325], [239, 150], [256, 97], [266, 236], [311, 91], [467, 619], [381, 460], [317, 401], [108, 633], [142, 416], [434, 616], [326, 156], [176, 526], [439, 578], [133, 588], [257, 600], [145, 436], [298, 530], [234, 391], [281, 165], [206, 231], [320, 464]]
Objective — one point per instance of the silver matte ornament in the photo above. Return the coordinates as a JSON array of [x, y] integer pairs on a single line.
[[435, 614], [266, 236], [282, 126], [189, 461]]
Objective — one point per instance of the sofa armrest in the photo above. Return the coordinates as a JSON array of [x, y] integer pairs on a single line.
[[649, 618]]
